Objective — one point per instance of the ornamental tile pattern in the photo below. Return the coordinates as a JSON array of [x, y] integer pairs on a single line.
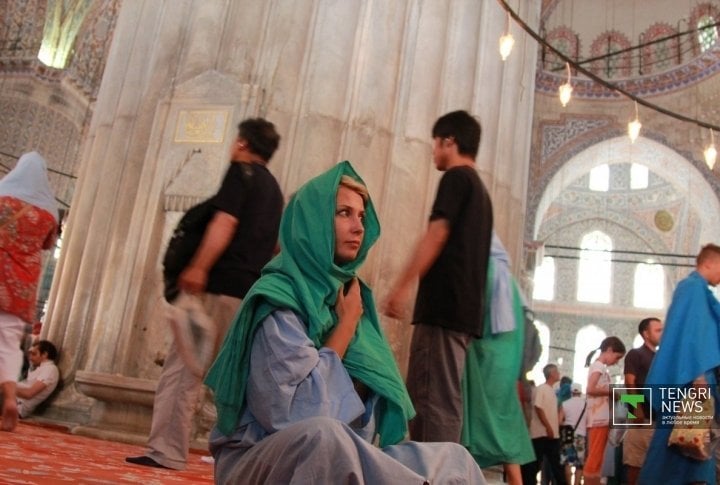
[[612, 66], [699, 69], [555, 135], [21, 30], [660, 55], [566, 41], [28, 124]]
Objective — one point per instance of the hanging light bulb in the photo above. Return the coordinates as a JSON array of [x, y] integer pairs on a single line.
[[506, 41], [710, 152], [565, 90], [634, 126]]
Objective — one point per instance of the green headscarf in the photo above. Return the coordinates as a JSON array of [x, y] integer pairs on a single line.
[[304, 278]]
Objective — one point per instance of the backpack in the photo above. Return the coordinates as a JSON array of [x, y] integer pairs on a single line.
[[184, 242]]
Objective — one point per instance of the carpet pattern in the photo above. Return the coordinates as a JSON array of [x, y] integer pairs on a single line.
[[37, 454]]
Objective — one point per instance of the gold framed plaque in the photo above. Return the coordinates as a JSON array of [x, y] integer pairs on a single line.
[[201, 126]]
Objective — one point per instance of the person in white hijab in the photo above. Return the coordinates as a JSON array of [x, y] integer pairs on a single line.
[[28, 181], [28, 224]]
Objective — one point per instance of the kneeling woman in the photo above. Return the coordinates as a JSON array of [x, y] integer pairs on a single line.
[[306, 381]]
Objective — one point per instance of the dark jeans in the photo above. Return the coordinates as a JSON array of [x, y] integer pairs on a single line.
[[544, 448]]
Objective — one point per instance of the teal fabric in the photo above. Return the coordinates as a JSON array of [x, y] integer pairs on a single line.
[[304, 278], [494, 429]]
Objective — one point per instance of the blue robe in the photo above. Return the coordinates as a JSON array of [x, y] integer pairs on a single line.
[[305, 423], [690, 347]]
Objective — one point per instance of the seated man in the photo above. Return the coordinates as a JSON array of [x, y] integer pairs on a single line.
[[42, 379]]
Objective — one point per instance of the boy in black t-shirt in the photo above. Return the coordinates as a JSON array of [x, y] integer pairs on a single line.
[[451, 261]]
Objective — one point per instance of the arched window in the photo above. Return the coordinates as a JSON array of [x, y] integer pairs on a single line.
[[544, 280], [595, 268], [638, 176], [536, 373], [587, 339], [649, 287], [613, 65], [600, 178], [565, 41], [707, 32], [661, 48]]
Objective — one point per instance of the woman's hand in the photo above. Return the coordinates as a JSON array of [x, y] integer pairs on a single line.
[[348, 307]]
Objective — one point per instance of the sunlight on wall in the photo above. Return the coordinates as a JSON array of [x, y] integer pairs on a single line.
[[62, 23]]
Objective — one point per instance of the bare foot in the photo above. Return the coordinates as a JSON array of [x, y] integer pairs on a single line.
[[9, 416]]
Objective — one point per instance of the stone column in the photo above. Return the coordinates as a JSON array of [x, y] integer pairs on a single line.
[[357, 80]]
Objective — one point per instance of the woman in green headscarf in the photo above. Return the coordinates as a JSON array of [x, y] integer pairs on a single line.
[[305, 380]]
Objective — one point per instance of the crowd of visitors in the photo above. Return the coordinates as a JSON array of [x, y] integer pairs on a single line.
[[268, 308]]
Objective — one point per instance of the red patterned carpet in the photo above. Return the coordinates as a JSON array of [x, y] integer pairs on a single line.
[[37, 454]]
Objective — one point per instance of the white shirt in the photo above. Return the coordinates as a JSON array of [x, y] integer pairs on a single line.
[[46, 372], [598, 409], [546, 400], [573, 408]]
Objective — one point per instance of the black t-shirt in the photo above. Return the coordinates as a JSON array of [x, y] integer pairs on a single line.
[[637, 363], [250, 193], [452, 293]]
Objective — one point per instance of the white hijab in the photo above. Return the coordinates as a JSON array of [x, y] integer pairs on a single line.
[[28, 181]]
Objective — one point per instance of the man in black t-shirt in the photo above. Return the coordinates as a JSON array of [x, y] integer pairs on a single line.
[[451, 261], [239, 240], [637, 366]]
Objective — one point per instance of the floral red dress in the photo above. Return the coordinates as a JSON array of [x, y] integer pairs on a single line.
[[21, 243]]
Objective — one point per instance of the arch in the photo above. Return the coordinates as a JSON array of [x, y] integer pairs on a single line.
[[662, 160], [614, 65], [701, 11], [536, 373], [566, 41], [658, 56], [587, 339]]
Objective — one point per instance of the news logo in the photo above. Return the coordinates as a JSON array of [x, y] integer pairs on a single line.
[[630, 413], [661, 406]]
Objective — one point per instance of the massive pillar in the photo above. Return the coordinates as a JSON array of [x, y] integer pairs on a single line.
[[356, 80]]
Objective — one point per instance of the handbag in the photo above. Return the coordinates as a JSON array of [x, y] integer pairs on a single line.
[[185, 240], [567, 432], [696, 440]]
